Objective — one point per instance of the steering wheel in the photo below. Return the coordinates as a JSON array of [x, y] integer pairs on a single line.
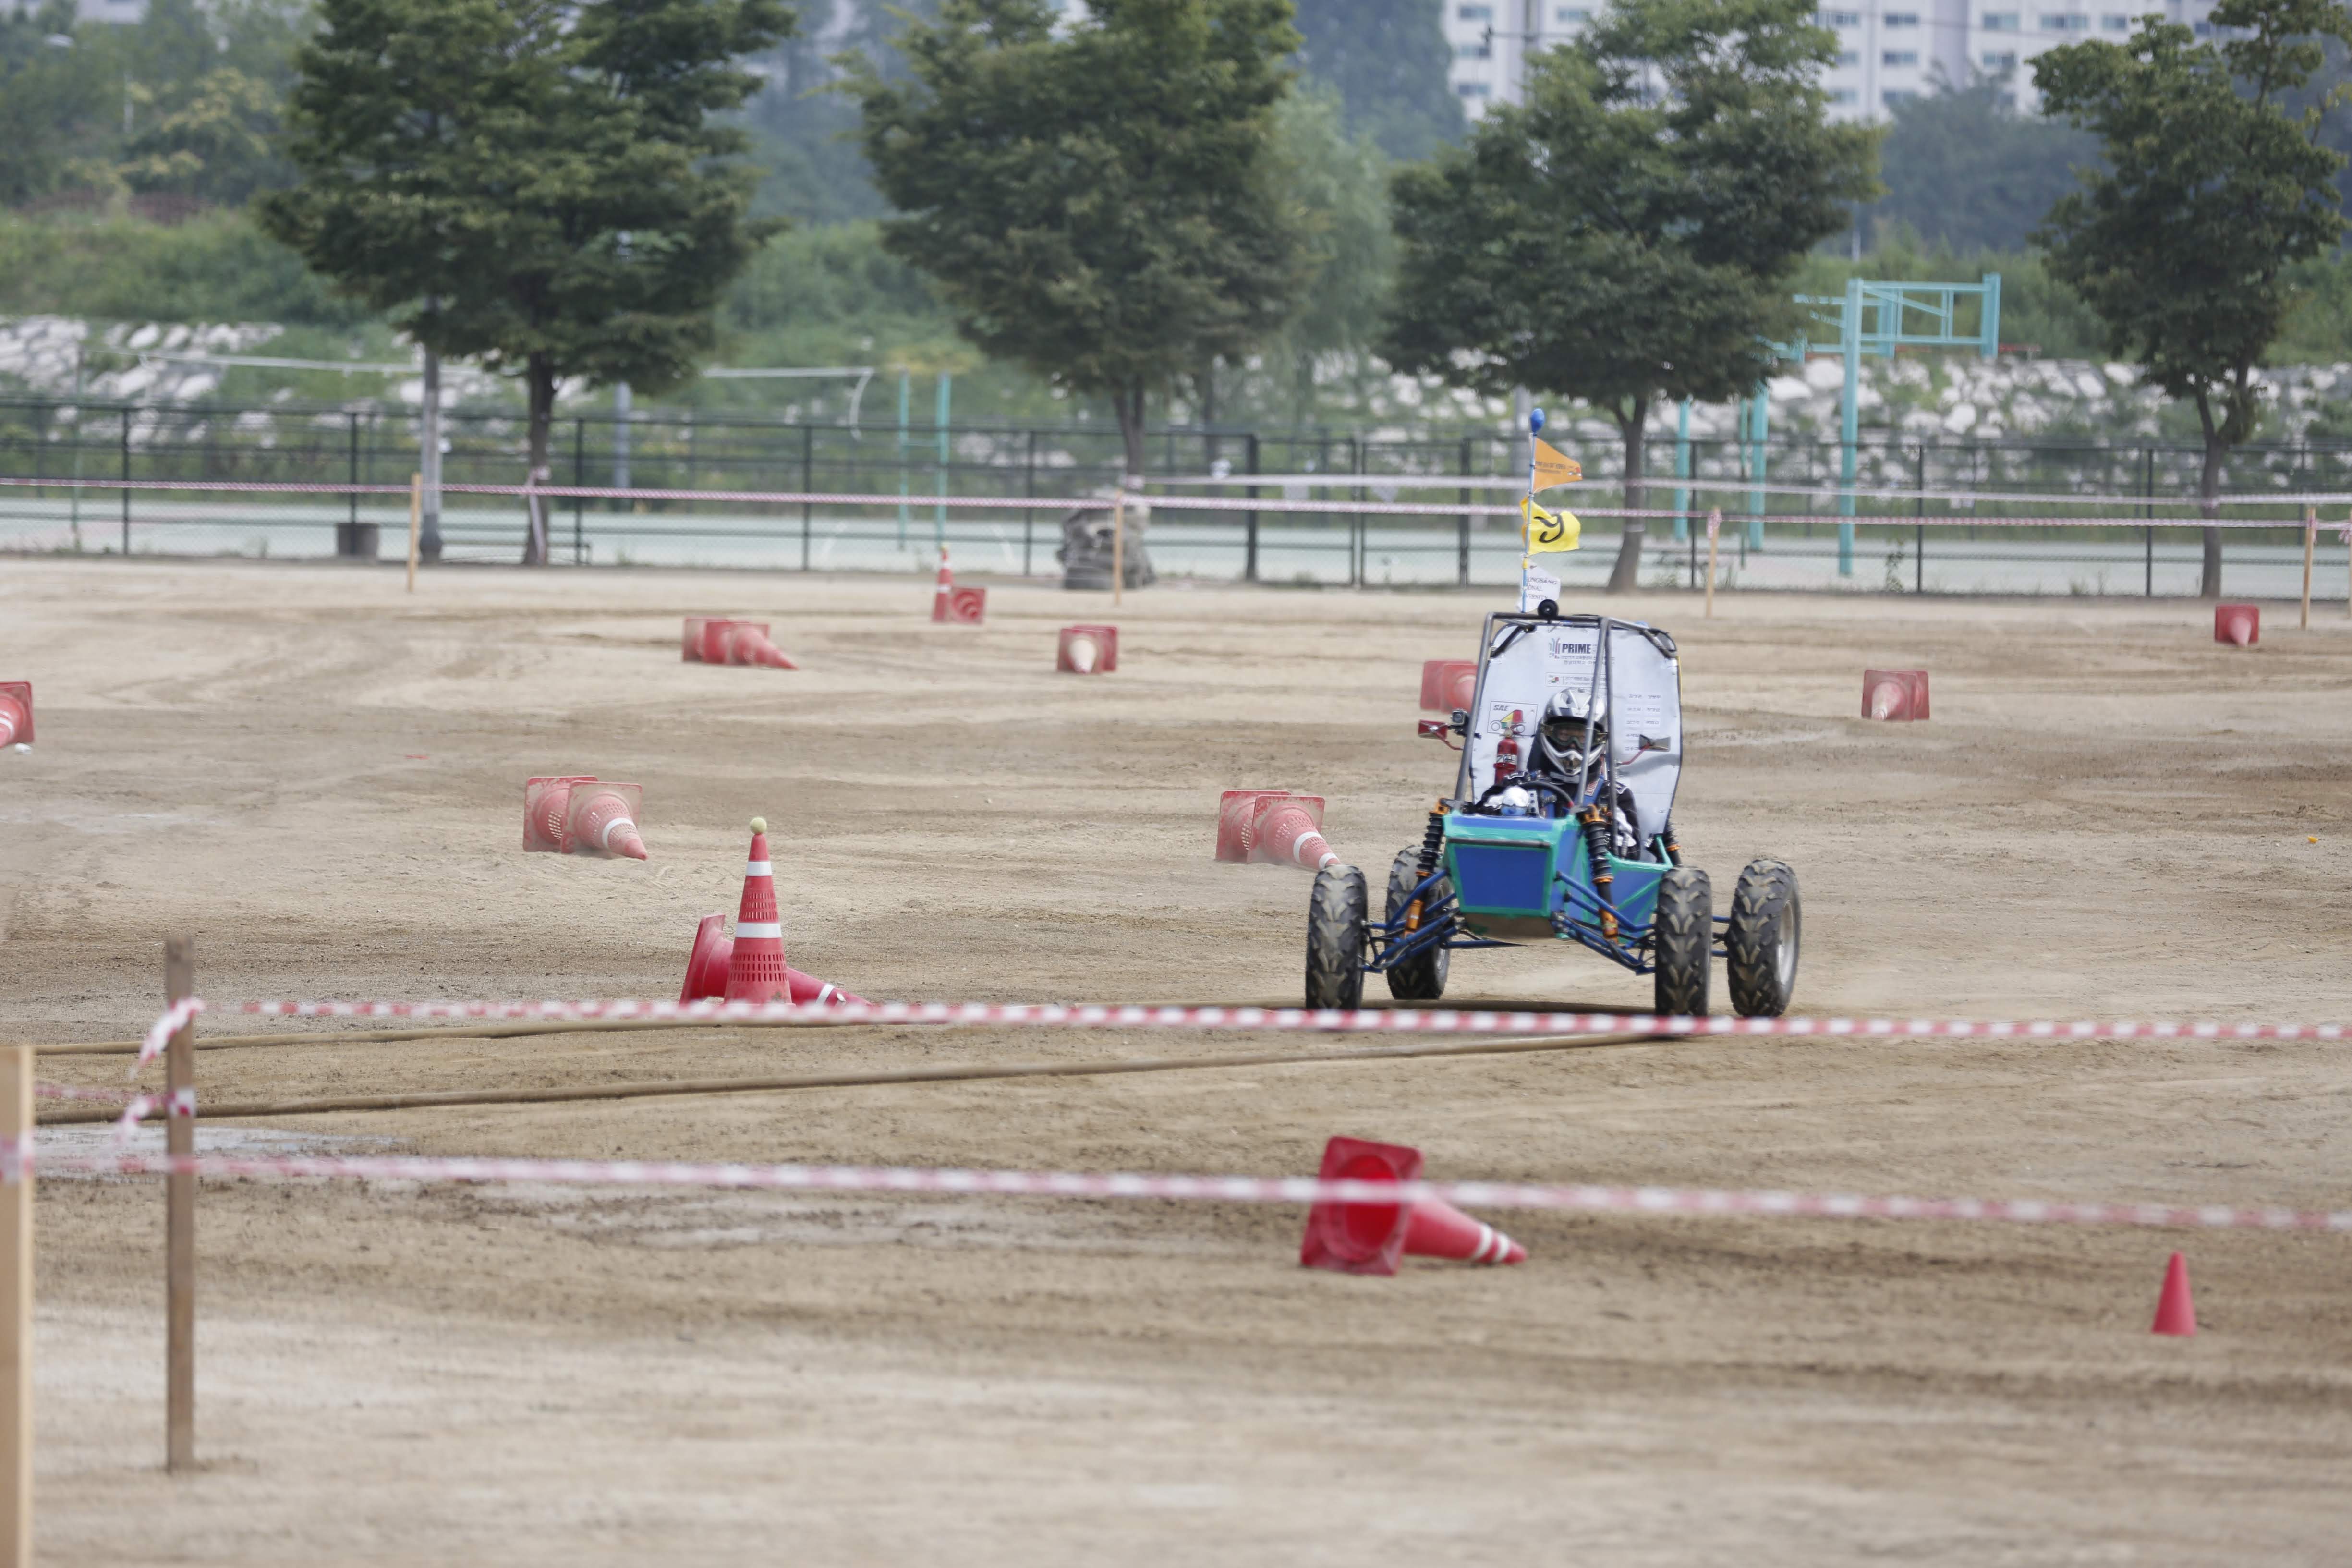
[[1559, 789]]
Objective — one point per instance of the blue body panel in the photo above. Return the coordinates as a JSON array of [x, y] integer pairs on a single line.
[[1513, 875]]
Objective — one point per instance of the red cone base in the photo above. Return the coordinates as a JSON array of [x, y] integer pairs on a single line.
[[1898, 696], [1369, 1238], [1088, 650], [1236, 816], [2176, 1313], [15, 712], [2238, 624], [1448, 683], [546, 806], [714, 951]]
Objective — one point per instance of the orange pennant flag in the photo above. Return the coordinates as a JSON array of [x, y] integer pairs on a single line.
[[1554, 466]]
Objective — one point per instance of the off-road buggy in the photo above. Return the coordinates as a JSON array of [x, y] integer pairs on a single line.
[[1561, 828]]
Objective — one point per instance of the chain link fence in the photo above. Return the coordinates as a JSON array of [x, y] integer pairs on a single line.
[[1774, 535]]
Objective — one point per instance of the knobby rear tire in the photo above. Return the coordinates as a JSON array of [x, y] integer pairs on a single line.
[[1421, 977]]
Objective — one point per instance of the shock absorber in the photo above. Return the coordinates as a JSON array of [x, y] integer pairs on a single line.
[[1433, 844], [1674, 850], [1596, 849]]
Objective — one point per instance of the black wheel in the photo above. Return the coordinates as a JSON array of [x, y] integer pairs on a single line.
[[1761, 945], [1335, 939], [1683, 941], [1421, 977]]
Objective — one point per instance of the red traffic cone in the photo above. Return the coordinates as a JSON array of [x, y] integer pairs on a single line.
[[15, 712], [755, 971], [2176, 1313], [690, 644], [546, 807], [1289, 831], [1088, 650], [714, 953], [2238, 623], [1368, 1239], [602, 819], [1448, 683], [1896, 695], [943, 594]]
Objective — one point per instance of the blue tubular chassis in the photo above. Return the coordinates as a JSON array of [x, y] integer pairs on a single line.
[[1572, 909]]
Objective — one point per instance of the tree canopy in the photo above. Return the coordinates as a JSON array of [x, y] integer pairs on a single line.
[[1097, 200], [2184, 246], [1387, 60], [539, 185], [1964, 169], [1620, 243]]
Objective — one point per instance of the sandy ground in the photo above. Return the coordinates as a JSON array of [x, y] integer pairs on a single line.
[[322, 778]]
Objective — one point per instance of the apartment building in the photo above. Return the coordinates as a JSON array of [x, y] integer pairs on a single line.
[[1889, 51]]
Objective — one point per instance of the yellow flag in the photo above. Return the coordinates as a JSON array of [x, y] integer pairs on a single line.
[[1555, 467], [1548, 532]]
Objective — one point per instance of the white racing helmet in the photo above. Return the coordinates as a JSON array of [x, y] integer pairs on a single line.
[[1562, 730]]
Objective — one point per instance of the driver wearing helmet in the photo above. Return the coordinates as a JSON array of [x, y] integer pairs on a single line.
[[1560, 752]]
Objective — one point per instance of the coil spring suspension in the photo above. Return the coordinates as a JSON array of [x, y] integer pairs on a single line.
[[1596, 849], [1433, 844], [1674, 850]]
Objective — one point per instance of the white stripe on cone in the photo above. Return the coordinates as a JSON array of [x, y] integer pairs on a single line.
[[757, 868], [758, 929]]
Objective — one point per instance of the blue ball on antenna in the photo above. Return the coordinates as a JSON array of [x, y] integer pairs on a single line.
[[1535, 421]]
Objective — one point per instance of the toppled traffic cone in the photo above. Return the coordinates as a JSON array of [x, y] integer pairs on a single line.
[[713, 955], [15, 712], [2175, 1312], [1236, 816], [1288, 831], [602, 819], [950, 604], [1898, 696], [2238, 623], [1368, 1239], [720, 641], [1448, 683], [546, 806], [1088, 650]]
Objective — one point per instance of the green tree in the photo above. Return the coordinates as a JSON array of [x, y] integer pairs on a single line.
[[1387, 59], [1620, 243], [1338, 189], [1096, 200], [538, 184], [216, 142], [1963, 168], [2185, 245], [55, 100]]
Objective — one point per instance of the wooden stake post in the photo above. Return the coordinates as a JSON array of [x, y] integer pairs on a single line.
[[180, 1218], [1119, 544], [1714, 529], [16, 1308], [415, 514]]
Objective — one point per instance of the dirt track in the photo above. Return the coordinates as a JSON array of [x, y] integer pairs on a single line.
[[321, 779]]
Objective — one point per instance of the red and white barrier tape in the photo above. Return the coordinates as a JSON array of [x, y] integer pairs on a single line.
[[158, 1034], [1211, 1189], [1375, 1021], [1518, 484], [68, 1091]]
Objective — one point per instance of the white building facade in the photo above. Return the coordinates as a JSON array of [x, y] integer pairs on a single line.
[[1889, 51]]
